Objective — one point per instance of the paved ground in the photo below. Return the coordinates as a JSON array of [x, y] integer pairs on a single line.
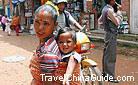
[[18, 73], [125, 66]]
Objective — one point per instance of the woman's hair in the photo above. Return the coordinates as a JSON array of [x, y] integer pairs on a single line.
[[49, 7], [64, 30]]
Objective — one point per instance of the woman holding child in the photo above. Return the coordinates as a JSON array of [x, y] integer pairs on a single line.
[[47, 59]]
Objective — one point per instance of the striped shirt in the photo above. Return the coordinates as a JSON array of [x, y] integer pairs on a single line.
[[50, 46], [48, 55]]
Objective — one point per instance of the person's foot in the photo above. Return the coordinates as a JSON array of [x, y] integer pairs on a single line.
[[113, 80], [17, 34], [20, 31], [104, 74], [109, 78], [9, 34]]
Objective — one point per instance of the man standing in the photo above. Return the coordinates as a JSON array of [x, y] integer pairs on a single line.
[[110, 22]]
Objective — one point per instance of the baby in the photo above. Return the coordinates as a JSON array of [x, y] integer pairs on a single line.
[[66, 40]]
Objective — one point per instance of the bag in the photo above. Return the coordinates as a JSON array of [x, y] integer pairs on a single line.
[[48, 63]]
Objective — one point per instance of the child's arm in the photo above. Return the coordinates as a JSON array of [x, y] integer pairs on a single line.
[[71, 65]]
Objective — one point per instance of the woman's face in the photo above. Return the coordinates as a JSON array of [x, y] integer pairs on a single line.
[[66, 43], [44, 25]]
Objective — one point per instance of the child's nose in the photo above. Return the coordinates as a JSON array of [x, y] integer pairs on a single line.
[[65, 44]]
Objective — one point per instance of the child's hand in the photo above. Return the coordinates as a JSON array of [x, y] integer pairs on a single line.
[[66, 79], [65, 82]]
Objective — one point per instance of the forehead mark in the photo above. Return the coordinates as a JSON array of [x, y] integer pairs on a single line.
[[44, 13]]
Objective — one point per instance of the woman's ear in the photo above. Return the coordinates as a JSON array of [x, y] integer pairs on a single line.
[[56, 24]]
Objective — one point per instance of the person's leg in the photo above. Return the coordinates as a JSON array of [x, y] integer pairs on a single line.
[[109, 55], [2, 26], [112, 59], [17, 30], [9, 31], [109, 58]]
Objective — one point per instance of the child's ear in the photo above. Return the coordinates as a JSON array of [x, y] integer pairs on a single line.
[[75, 45]]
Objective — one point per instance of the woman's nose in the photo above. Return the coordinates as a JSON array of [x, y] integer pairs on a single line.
[[41, 26]]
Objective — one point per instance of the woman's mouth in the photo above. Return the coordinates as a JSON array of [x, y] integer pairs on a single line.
[[40, 33]]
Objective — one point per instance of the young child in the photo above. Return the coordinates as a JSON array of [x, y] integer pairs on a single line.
[[66, 40], [8, 30]]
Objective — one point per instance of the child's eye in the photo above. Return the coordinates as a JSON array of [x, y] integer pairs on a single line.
[[69, 41]]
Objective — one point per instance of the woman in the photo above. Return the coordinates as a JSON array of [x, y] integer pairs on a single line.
[[15, 24], [45, 59]]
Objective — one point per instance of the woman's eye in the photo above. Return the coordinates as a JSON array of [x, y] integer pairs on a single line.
[[45, 23], [37, 22], [60, 42]]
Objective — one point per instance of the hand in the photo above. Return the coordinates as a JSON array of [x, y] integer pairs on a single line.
[[66, 79], [65, 82]]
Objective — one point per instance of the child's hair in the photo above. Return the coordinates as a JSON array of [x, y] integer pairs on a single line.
[[115, 8], [49, 7], [107, 1], [64, 30]]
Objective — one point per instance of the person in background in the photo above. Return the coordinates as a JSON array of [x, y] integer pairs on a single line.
[[65, 19], [3, 22], [15, 24], [46, 57], [0, 18], [8, 29], [110, 24], [118, 10], [70, 62]]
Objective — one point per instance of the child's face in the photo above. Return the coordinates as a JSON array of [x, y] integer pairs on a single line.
[[44, 25], [112, 2], [66, 43]]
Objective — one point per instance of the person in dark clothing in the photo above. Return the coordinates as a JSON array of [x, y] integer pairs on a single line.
[[110, 22]]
